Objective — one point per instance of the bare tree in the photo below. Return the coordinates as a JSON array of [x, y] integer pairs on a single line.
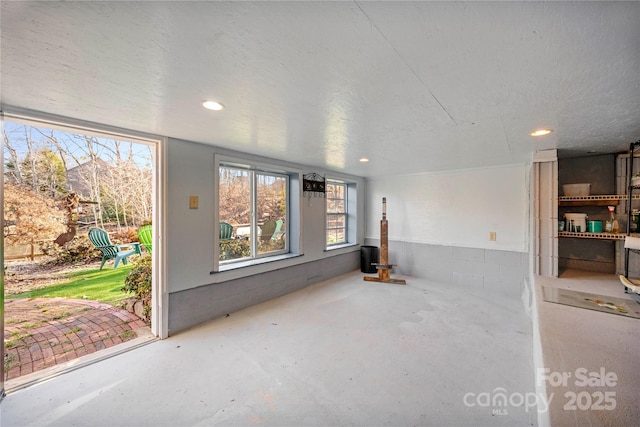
[[54, 141], [115, 175], [12, 163], [46, 173]]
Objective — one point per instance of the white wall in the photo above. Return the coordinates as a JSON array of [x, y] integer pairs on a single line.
[[454, 208]]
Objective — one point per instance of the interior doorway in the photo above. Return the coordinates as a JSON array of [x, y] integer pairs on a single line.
[[64, 296]]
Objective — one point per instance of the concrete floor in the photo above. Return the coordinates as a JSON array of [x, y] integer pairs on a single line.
[[602, 346], [340, 352], [346, 352]]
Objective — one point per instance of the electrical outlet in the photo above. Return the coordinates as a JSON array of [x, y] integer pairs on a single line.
[[492, 236]]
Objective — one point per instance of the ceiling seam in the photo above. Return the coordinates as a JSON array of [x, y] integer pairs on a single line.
[[405, 63], [504, 131]]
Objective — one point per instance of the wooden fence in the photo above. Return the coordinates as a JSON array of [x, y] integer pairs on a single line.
[[23, 250]]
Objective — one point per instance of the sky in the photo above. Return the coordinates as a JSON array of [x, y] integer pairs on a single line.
[[73, 142]]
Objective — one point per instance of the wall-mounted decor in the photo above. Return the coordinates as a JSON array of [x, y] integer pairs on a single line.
[[313, 185]]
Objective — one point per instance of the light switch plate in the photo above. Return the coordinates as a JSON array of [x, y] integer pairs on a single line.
[[193, 202]]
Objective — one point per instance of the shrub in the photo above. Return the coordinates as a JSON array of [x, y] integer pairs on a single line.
[[127, 235], [270, 245], [138, 282], [240, 248], [234, 249], [29, 215], [79, 248]]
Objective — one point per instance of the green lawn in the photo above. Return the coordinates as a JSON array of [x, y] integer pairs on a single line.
[[92, 284]]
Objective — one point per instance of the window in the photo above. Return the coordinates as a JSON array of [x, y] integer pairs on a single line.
[[253, 208], [336, 195]]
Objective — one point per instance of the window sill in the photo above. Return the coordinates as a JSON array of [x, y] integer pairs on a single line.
[[342, 246], [254, 262]]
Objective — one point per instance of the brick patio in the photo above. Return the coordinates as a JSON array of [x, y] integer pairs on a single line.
[[44, 332]]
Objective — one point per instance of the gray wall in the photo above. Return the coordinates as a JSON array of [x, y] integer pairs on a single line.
[[195, 294], [599, 171], [194, 306], [481, 269]]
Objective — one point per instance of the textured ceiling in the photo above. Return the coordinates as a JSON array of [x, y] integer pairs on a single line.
[[415, 86]]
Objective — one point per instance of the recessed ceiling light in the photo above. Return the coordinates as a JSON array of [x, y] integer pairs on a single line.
[[541, 132], [364, 160], [212, 105]]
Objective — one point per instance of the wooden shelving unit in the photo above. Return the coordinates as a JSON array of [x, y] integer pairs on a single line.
[[594, 200], [599, 200], [601, 236]]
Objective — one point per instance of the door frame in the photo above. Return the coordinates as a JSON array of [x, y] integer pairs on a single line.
[[544, 214], [160, 296]]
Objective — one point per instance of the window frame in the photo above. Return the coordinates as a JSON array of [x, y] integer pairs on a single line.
[[292, 219], [344, 213], [351, 213]]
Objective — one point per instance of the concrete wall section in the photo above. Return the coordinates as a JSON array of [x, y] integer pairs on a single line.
[[482, 269], [599, 171], [195, 306]]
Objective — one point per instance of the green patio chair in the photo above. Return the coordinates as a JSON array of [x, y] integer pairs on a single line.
[[226, 230], [100, 240], [146, 237], [268, 228], [278, 233]]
